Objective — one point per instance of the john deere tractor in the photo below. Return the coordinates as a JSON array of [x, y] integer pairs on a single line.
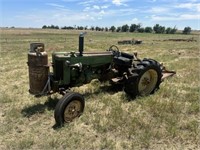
[[138, 77]]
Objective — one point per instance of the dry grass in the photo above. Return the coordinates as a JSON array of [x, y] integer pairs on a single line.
[[169, 119]]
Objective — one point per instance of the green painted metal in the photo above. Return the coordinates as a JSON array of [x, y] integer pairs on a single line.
[[73, 69]]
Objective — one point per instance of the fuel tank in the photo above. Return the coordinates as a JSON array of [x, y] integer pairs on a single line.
[[38, 68]]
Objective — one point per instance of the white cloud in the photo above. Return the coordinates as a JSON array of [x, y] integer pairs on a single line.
[[189, 16], [193, 0], [99, 18], [135, 19], [152, 1], [127, 21], [86, 3], [70, 0], [176, 18], [92, 18], [104, 7], [119, 2], [158, 10], [185, 5], [29, 17], [128, 10], [87, 9], [162, 18], [55, 5], [191, 6], [96, 7], [59, 17], [102, 12]]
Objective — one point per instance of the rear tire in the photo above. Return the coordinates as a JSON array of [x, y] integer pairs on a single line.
[[145, 79], [69, 107]]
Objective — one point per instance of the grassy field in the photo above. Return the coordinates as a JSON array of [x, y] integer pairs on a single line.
[[169, 119]]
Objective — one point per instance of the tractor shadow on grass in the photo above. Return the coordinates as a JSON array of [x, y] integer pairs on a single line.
[[111, 89], [50, 104]]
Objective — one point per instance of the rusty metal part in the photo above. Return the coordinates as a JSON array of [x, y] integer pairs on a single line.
[[38, 68], [137, 41], [133, 41], [72, 110], [180, 40], [167, 73]]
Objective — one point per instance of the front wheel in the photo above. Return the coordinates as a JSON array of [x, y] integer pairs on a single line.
[[69, 107], [145, 80]]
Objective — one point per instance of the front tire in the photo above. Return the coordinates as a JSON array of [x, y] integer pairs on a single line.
[[69, 107], [145, 79]]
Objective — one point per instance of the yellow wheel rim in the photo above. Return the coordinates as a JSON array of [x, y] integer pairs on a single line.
[[147, 82], [72, 110]]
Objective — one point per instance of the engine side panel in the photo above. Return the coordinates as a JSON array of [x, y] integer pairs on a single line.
[[70, 68]]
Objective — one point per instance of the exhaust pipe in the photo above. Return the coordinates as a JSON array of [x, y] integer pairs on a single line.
[[81, 43]]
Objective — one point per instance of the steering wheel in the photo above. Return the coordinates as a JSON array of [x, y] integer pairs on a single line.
[[115, 50]]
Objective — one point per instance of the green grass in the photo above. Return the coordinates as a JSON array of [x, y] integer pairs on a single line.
[[168, 119]]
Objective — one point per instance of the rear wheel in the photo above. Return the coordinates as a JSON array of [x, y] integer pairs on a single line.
[[69, 107], [145, 79]]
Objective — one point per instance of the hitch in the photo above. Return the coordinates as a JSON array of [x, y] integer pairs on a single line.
[[166, 73]]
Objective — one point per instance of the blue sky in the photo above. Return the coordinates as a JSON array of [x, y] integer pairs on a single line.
[[103, 13]]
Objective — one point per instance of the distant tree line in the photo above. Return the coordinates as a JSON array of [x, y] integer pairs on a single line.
[[125, 28]]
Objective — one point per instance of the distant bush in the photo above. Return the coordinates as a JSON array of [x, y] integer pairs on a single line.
[[159, 29], [50, 27], [67, 28], [125, 28], [118, 29], [112, 28], [187, 30], [80, 28], [141, 30], [106, 29], [134, 27], [171, 31], [148, 30], [97, 28], [44, 27]]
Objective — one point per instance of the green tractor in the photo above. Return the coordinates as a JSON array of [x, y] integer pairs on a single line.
[[70, 69]]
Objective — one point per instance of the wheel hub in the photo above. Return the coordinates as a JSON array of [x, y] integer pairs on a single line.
[[145, 81], [72, 110]]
